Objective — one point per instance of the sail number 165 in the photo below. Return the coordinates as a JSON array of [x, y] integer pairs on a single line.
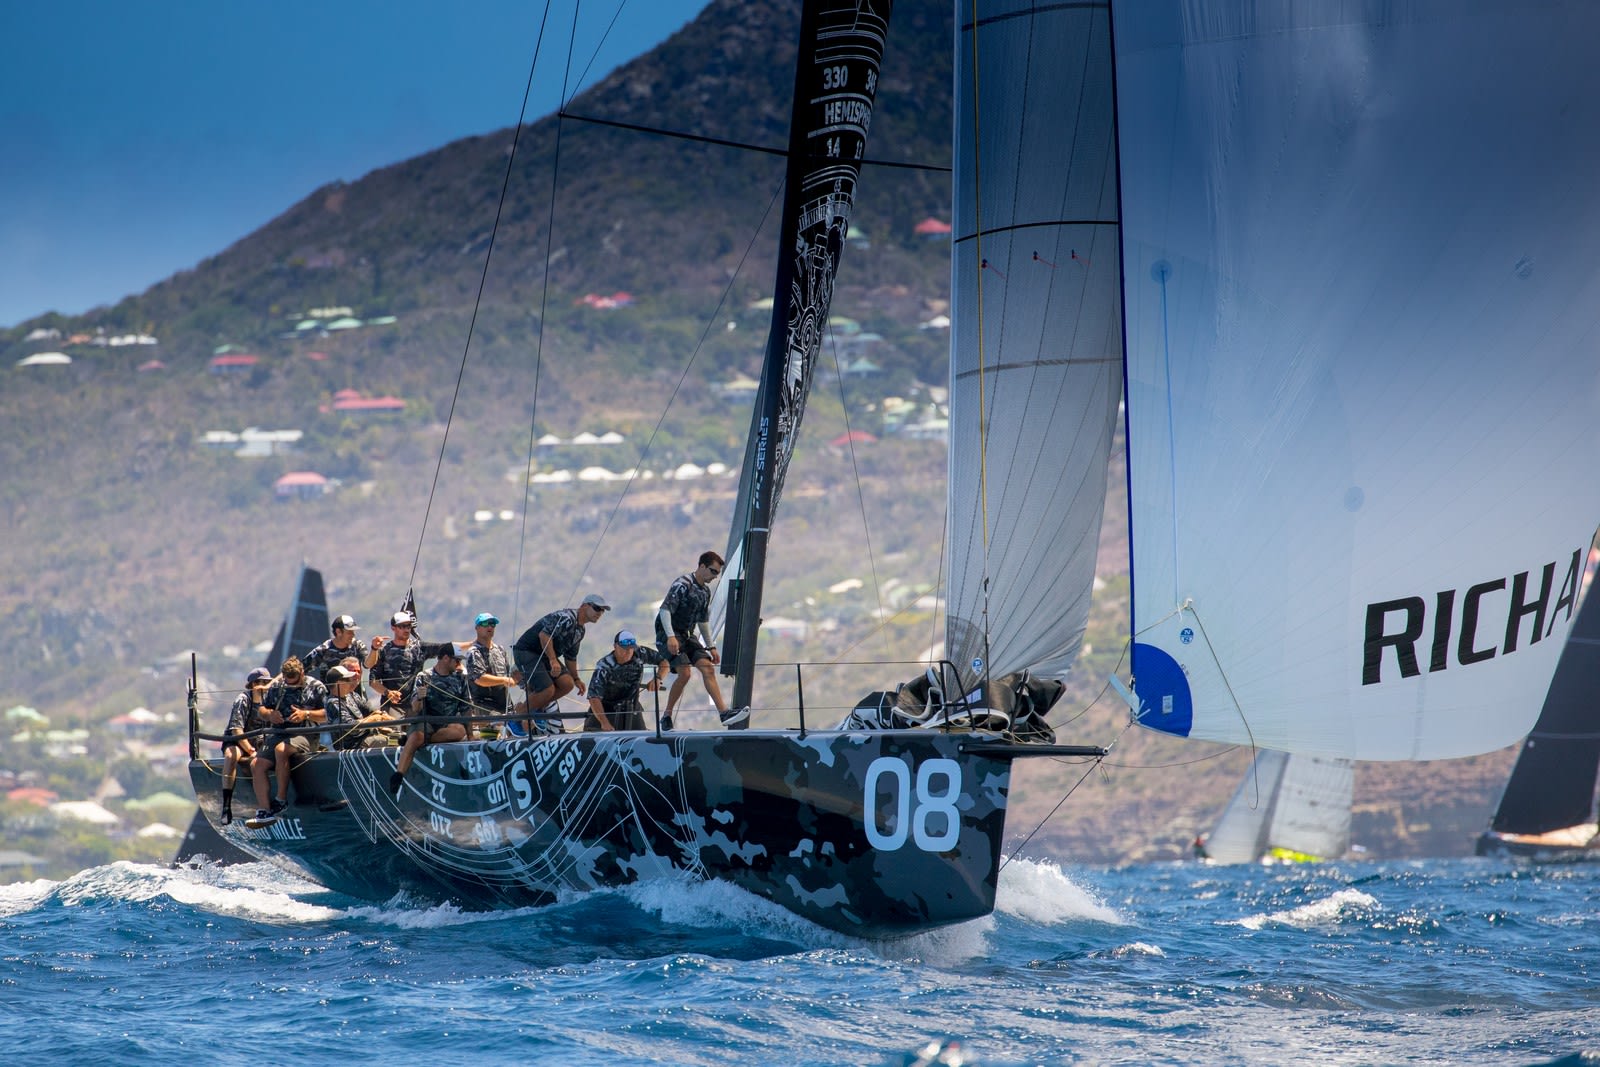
[[927, 814]]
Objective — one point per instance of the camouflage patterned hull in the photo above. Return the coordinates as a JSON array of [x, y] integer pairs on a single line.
[[870, 833]]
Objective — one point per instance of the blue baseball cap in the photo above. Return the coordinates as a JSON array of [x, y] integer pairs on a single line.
[[626, 639], [485, 619]]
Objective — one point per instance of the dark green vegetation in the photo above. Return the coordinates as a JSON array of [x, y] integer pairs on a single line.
[[127, 543]]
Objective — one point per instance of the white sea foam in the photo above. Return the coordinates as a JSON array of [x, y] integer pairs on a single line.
[[253, 890], [1130, 950], [1038, 891], [1331, 909], [18, 897], [688, 901]]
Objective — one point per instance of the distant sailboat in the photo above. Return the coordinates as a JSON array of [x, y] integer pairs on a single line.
[[1547, 812], [1292, 809]]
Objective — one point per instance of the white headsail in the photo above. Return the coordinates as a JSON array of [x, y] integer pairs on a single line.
[[1036, 343]]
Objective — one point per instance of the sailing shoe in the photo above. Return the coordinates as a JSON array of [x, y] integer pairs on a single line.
[[278, 806], [735, 718], [513, 731], [396, 780], [666, 722], [227, 817], [263, 818]]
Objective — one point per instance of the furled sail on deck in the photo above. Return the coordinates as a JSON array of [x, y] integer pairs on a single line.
[[1363, 316], [836, 83], [1036, 342], [1300, 804]]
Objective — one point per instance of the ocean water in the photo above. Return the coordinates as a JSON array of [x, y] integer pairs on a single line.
[[1458, 962]]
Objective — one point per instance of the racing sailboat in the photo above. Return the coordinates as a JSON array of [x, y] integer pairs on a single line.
[[1547, 811], [1287, 809], [1339, 267]]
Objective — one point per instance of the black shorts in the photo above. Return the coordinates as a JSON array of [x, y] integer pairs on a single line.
[[536, 674], [690, 651], [624, 715]]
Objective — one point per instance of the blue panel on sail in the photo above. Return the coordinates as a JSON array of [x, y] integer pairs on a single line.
[[1165, 703]]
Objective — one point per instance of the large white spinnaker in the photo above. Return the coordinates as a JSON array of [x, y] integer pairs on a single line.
[[1036, 340], [1363, 328]]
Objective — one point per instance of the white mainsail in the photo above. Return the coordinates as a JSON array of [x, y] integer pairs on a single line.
[[1297, 803], [1036, 341], [1363, 360]]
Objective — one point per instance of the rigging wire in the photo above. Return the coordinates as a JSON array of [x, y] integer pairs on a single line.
[[743, 146], [544, 305], [483, 280], [677, 387], [855, 468], [1096, 762]]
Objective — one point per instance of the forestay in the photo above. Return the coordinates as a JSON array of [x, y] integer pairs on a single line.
[[1362, 298]]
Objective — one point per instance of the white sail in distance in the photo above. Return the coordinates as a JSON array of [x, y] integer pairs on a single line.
[[1297, 803]]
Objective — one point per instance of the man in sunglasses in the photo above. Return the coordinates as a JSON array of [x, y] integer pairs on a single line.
[[393, 665], [683, 636], [490, 673]]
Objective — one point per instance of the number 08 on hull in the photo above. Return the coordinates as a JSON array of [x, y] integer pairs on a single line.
[[868, 833]]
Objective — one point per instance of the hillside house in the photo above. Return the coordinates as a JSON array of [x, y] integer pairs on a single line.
[[302, 485], [369, 405], [234, 363], [741, 389]]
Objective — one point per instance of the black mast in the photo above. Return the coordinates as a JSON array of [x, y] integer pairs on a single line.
[[836, 82]]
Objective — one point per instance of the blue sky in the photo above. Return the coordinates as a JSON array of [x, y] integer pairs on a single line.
[[137, 138]]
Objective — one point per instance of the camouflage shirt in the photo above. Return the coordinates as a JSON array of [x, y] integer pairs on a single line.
[[566, 635], [243, 718], [618, 683], [398, 664], [328, 655], [689, 604], [491, 660], [445, 694], [283, 697], [347, 709]]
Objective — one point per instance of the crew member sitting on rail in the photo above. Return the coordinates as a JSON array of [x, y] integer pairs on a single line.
[[290, 701], [441, 696], [243, 717]]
